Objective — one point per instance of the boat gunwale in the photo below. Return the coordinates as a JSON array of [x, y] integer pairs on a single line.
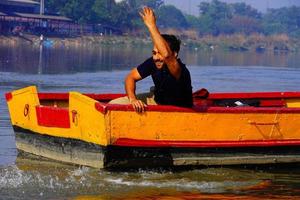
[[212, 96], [200, 109], [254, 95], [104, 107]]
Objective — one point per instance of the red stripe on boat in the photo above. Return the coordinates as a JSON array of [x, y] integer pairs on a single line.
[[52, 116], [53, 96], [203, 144], [65, 96], [104, 97], [250, 109], [205, 109], [272, 103], [160, 108], [8, 96], [101, 107], [251, 95]]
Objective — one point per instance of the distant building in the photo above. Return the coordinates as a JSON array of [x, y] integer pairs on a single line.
[[23, 16], [18, 16], [23, 6]]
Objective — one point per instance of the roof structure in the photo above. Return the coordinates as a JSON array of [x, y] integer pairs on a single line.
[[18, 2], [38, 16], [27, 3], [3, 14]]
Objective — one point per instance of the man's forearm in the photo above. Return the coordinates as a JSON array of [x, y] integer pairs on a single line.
[[130, 84], [130, 89], [159, 41]]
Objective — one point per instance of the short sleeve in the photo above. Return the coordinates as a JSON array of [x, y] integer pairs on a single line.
[[146, 68]]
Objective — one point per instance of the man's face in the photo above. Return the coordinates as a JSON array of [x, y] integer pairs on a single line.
[[157, 58]]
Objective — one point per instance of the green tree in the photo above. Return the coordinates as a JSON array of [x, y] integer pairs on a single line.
[[105, 11], [193, 21], [245, 10], [77, 10], [170, 16], [213, 15], [124, 18], [282, 20], [245, 19], [138, 4], [246, 25], [54, 6], [124, 14], [216, 10], [130, 11]]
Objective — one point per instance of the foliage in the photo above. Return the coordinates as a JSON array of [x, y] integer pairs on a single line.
[[283, 20], [138, 4], [79, 10], [245, 10], [170, 16], [193, 21], [246, 25], [215, 17]]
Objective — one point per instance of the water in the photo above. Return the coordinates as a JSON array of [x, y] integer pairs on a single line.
[[102, 70]]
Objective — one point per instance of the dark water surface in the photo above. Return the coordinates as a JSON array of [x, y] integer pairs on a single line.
[[102, 70]]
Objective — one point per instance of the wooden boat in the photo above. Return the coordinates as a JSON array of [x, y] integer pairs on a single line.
[[221, 129]]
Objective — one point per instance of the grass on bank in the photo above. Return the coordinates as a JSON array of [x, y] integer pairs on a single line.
[[189, 38]]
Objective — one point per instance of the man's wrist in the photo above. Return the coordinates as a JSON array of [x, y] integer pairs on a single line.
[[151, 26], [131, 99]]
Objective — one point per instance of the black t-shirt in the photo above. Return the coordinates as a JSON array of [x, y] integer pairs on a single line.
[[168, 90]]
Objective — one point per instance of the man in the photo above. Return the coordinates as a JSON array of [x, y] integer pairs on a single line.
[[170, 76]]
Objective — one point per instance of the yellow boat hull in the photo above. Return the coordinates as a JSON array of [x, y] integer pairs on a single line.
[[186, 136]]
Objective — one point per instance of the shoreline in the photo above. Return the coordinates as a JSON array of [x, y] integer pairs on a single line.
[[238, 42]]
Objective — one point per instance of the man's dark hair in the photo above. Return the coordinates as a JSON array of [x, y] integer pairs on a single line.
[[173, 42]]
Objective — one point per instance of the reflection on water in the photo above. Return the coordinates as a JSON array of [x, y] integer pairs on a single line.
[[218, 58], [41, 59], [102, 70]]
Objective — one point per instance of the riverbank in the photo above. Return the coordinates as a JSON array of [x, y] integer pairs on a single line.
[[238, 42]]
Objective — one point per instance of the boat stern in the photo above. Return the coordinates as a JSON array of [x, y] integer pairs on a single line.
[[21, 105]]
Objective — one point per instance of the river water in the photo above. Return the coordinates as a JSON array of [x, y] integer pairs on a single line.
[[102, 70]]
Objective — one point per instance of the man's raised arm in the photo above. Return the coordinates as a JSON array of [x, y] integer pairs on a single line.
[[170, 58]]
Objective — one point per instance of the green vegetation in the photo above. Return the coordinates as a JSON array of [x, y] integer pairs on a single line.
[[123, 15], [215, 17]]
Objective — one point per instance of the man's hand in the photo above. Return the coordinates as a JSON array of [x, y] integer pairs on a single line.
[[148, 17], [138, 105]]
